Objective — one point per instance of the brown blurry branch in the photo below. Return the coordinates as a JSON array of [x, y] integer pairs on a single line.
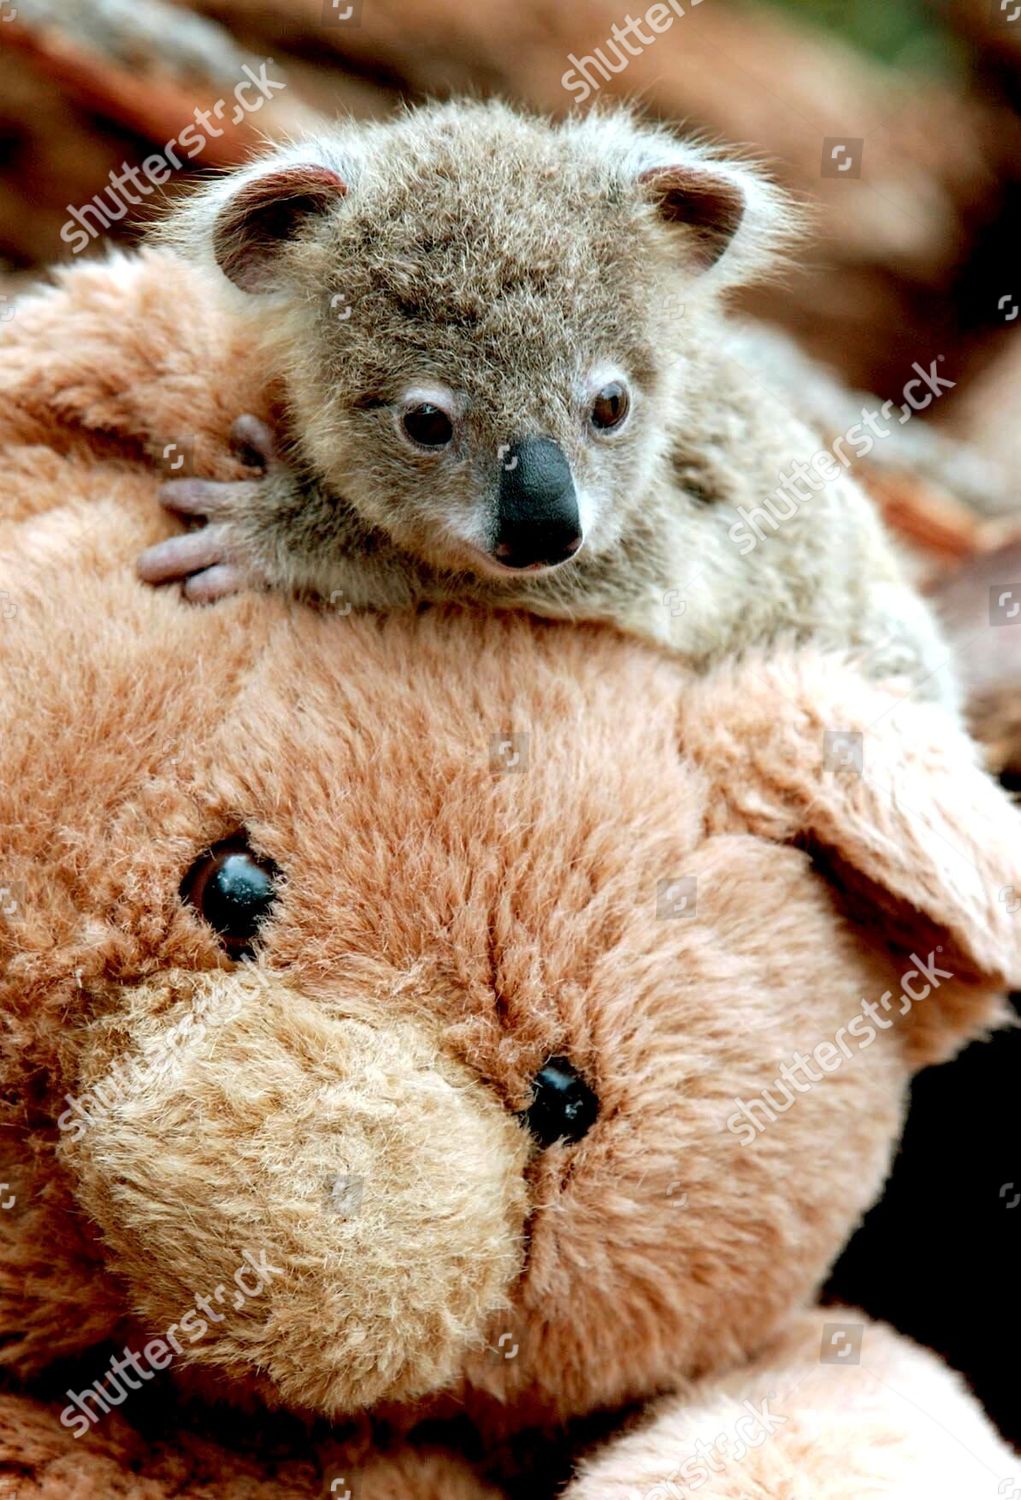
[[142, 68], [89, 85]]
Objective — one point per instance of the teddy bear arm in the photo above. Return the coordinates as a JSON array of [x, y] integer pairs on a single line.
[[889, 1420]]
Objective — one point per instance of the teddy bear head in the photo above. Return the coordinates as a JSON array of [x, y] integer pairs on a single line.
[[453, 1007]]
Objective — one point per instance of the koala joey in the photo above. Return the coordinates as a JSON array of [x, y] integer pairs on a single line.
[[508, 380]]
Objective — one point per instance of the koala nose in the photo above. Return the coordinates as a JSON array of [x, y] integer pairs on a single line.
[[537, 520]]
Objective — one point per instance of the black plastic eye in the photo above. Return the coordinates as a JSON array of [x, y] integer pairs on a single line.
[[610, 407], [428, 425], [233, 890], [563, 1107]]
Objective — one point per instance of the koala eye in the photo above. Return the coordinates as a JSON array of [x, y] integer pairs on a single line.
[[563, 1107], [428, 425], [233, 890], [610, 407]]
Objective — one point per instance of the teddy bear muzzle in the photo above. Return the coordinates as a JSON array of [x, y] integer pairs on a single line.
[[331, 1201]]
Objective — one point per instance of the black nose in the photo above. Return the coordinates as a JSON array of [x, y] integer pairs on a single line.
[[537, 521], [563, 1107]]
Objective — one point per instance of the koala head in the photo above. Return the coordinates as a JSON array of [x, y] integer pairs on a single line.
[[388, 1017], [484, 320]]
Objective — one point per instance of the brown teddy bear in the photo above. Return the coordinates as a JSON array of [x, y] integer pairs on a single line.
[[443, 1054]]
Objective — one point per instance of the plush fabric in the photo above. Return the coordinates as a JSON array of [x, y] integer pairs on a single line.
[[496, 842]]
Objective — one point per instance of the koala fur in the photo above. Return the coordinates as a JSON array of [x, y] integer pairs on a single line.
[[514, 267], [441, 927]]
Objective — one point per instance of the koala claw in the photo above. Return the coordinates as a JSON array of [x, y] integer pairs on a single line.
[[215, 583], [253, 439], [203, 561], [197, 497], [181, 557]]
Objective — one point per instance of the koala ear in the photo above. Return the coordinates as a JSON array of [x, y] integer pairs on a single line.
[[921, 846], [728, 214], [263, 213], [709, 206], [725, 214]]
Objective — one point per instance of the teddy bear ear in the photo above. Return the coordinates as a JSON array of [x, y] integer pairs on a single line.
[[889, 796]]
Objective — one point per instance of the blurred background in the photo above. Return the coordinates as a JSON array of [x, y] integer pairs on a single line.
[[898, 123]]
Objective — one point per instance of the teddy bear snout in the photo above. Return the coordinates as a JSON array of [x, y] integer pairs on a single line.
[[379, 1181]]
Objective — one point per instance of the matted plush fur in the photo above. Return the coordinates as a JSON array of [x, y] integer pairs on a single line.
[[345, 1105]]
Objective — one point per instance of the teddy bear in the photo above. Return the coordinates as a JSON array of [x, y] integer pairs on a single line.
[[443, 1054]]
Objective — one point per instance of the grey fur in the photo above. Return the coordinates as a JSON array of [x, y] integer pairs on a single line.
[[510, 262]]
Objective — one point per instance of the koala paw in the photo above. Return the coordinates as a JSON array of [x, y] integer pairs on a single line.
[[208, 562]]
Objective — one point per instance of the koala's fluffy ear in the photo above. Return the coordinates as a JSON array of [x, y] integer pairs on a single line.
[[728, 216], [264, 214], [709, 205], [888, 794], [731, 218], [247, 219]]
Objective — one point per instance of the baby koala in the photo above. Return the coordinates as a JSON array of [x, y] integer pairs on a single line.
[[508, 380]]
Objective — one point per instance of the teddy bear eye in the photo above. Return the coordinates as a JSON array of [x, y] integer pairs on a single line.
[[232, 889], [563, 1107]]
